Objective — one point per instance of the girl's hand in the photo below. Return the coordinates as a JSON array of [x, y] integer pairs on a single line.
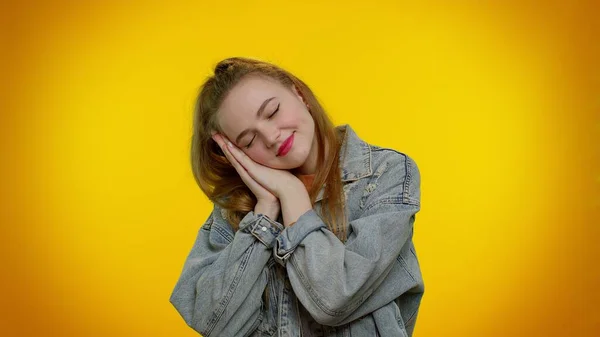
[[263, 196], [267, 182]]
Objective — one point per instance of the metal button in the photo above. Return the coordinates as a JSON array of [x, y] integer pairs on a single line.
[[264, 229]]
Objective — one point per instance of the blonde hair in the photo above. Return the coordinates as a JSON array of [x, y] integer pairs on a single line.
[[219, 180]]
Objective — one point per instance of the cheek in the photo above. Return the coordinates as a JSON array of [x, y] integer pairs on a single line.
[[257, 155]]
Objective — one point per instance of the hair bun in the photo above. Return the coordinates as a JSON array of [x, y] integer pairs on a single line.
[[224, 66]]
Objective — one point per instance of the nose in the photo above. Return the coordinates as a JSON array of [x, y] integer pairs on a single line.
[[271, 136]]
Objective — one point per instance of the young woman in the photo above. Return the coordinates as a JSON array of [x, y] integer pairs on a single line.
[[311, 230]]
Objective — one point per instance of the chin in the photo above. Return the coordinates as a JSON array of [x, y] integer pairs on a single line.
[[298, 160], [288, 162]]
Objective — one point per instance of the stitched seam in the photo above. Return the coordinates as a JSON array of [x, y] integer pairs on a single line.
[[255, 324], [208, 224], [276, 227], [293, 247], [405, 266], [259, 238], [381, 149], [223, 305], [372, 183], [307, 233], [254, 231], [224, 234], [407, 179], [406, 198], [408, 321], [394, 200], [349, 307], [366, 164]]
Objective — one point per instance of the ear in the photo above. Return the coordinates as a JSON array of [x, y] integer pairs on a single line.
[[298, 94]]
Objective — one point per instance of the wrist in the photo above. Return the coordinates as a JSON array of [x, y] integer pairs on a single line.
[[270, 209], [292, 190], [295, 201]]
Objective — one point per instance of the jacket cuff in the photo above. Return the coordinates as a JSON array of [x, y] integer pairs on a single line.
[[291, 236], [262, 227]]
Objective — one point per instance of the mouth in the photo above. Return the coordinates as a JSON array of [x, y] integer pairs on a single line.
[[286, 146]]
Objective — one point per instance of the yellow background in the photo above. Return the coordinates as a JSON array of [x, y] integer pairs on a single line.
[[498, 103]]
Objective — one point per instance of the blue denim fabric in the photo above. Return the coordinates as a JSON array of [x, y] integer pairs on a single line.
[[260, 280]]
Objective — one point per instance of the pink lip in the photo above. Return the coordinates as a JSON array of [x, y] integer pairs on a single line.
[[286, 146]]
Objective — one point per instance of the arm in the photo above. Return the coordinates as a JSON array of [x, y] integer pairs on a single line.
[[223, 278], [338, 283]]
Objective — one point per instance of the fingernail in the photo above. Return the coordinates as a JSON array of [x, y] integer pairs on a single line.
[[229, 144]]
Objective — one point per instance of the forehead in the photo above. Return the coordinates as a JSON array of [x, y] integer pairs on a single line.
[[251, 90], [238, 109]]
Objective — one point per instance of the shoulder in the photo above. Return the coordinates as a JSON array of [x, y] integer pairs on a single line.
[[216, 215], [396, 173], [217, 224], [387, 152], [385, 156]]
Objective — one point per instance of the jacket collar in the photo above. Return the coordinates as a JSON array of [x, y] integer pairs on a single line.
[[355, 157]]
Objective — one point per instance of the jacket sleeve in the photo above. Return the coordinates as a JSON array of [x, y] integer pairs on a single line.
[[338, 283], [220, 287]]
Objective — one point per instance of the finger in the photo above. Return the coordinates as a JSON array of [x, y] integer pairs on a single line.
[[252, 168], [241, 157], [260, 191], [219, 142], [256, 188], [231, 158], [235, 156], [226, 144]]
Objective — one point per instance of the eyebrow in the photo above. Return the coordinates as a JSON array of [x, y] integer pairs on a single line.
[[260, 110]]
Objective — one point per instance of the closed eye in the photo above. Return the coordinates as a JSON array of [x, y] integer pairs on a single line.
[[273, 114], [275, 111], [248, 146]]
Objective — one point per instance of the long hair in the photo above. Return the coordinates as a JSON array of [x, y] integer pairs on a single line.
[[219, 180]]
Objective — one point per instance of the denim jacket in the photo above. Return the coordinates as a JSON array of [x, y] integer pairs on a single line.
[[258, 280]]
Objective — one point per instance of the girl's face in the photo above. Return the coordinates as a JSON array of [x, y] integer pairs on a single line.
[[283, 113]]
